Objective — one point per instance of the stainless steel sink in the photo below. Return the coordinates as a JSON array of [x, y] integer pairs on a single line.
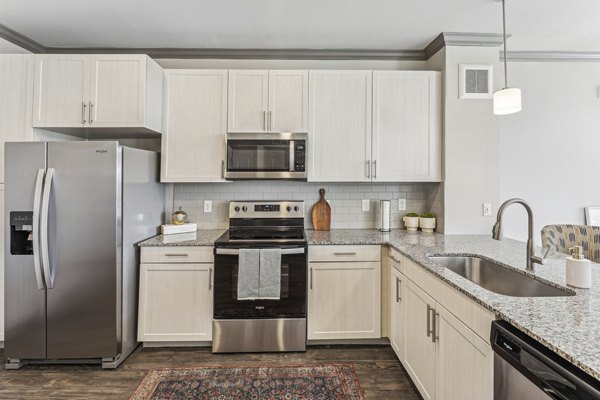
[[497, 278]]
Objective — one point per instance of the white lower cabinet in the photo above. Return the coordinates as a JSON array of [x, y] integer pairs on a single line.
[[344, 297], [176, 300], [397, 332], [445, 358]]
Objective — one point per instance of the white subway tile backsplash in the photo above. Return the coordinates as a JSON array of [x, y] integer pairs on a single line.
[[345, 200]]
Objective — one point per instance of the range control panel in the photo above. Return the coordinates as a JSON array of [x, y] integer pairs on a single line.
[[266, 209]]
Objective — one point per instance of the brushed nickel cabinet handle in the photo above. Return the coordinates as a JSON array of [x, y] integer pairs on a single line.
[[83, 107], [311, 278], [368, 168], [398, 297], [265, 121], [176, 255], [223, 169], [209, 278], [436, 333], [375, 169], [429, 330], [270, 121], [344, 254], [91, 112], [396, 260]]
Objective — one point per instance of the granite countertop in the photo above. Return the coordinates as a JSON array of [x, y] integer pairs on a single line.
[[198, 238], [568, 325]]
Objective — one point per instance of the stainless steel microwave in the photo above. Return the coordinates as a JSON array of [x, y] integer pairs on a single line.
[[252, 156]]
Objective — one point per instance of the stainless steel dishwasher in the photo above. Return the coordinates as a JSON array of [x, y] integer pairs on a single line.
[[525, 369]]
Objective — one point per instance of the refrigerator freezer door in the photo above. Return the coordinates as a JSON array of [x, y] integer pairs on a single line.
[[84, 233], [25, 305]]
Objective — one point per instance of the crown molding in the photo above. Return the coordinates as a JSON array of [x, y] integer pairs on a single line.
[[463, 39], [249, 54], [551, 56], [21, 40]]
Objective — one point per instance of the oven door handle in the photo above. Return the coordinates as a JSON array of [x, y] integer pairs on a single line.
[[235, 252]]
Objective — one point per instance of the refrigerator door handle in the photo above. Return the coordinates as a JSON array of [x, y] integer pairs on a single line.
[[37, 198], [44, 229]]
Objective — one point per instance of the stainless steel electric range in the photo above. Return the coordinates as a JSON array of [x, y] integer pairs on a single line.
[[261, 325]]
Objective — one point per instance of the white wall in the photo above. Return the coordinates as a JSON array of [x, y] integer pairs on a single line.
[[471, 147], [550, 151]]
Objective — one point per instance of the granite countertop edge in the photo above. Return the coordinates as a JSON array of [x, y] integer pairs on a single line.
[[534, 316]]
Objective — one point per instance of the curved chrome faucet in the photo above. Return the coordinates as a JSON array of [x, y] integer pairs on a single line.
[[497, 232]]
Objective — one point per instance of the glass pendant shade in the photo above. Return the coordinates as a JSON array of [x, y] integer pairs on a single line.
[[507, 101]]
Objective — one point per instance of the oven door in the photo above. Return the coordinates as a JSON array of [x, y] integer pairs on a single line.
[[292, 302], [255, 157]]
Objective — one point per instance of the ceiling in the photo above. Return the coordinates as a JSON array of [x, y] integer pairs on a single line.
[[548, 25]]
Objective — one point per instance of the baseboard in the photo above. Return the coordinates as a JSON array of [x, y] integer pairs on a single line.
[[176, 344], [359, 342]]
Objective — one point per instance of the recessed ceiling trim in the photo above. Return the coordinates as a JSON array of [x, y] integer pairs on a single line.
[[551, 56], [21, 40], [259, 54]]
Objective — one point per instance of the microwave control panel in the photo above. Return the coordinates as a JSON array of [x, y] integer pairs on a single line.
[[299, 155]]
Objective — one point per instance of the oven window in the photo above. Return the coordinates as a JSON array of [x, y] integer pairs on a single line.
[[285, 282], [258, 155]]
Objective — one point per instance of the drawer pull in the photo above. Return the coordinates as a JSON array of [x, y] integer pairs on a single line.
[[176, 255], [345, 254], [394, 259]]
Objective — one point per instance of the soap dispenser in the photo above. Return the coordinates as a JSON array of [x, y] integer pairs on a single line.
[[579, 270]]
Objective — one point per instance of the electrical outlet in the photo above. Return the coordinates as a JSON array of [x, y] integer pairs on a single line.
[[487, 209], [365, 205], [401, 204], [207, 206]]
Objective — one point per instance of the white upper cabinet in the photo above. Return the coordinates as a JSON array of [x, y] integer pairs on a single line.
[[248, 101], [194, 125], [99, 91], [61, 91], [288, 101], [16, 95], [340, 126], [407, 127], [268, 101]]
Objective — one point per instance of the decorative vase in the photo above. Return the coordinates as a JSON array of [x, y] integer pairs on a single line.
[[179, 217], [427, 224], [411, 223]]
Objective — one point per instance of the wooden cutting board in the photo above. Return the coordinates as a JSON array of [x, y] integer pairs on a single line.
[[321, 214]]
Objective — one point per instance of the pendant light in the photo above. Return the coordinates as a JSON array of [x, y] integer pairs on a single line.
[[507, 100]]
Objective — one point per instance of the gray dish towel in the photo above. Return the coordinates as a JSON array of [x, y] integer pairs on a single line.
[[269, 285], [248, 274]]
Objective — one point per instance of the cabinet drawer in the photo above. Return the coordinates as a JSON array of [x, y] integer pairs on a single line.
[[344, 253], [177, 254]]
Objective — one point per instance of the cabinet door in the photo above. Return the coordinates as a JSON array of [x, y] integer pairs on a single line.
[[344, 300], [61, 91], [398, 313], [420, 348], [16, 98], [464, 361], [407, 131], [288, 101], [248, 101], [118, 84], [2, 262], [194, 125], [175, 302], [340, 126]]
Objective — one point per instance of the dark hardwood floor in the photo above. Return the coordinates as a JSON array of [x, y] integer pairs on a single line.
[[380, 373]]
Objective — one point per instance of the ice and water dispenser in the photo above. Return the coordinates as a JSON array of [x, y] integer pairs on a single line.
[[21, 232]]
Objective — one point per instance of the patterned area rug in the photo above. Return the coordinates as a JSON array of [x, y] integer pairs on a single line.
[[296, 382]]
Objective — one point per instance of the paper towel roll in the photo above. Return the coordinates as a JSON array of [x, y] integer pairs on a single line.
[[385, 207]]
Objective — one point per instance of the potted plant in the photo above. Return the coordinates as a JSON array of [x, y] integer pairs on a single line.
[[411, 221], [427, 222]]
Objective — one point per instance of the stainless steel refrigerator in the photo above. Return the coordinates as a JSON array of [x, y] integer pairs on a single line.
[[73, 214]]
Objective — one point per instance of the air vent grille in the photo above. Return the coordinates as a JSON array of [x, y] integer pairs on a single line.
[[475, 81]]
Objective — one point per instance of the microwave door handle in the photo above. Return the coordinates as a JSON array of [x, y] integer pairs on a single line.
[[37, 199], [44, 229], [292, 158]]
